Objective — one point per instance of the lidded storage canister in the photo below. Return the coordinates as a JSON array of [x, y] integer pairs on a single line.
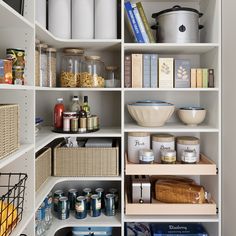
[[188, 143], [112, 77], [37, 70], [136, 142], [71, 67], [52, 67], [161, 142], [43, 64], [93, 73]]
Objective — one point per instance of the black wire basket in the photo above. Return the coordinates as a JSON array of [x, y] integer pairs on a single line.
[[12, 193]]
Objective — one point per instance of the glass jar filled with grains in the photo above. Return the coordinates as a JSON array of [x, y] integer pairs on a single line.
[[43, 65], [52, 67], [37, 70], [71, 67], [93, 73]]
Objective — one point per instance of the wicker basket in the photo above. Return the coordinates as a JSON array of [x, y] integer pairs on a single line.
[[43, 167], [9, 129], [71, 162]]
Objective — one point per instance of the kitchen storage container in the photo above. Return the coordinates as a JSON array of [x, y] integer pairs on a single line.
[[71, 67], [51, 67], [187, 143], [136, 142], [160, 142], [43, 166], [43, 65], [177, 25], [37, 69], [9, 129], [105, 20], [59, 18], [168, 156], [93, 73], [41, 9], [82, 19], [112, 77], [12, 188], [146, 156], [83, 161]]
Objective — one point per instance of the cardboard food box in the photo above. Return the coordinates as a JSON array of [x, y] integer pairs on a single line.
[[166, 79], [182, 73], [5, 71]]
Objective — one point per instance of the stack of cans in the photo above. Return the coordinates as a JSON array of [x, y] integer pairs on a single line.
[[89, 202]]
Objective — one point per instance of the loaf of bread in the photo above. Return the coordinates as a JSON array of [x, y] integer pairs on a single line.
[[8, 217], [174, 191]]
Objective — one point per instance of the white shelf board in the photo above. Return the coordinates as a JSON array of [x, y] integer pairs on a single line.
[[145, 218], [15, 87], [100, 221], [171, 90], [170, 127], [45, 135], [90, 44], [27, 216], [15, 155], [170, 48], [77, 89], [12, 19], [52, 181]]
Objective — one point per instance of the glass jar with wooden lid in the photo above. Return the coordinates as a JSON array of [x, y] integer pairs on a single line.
[[112, 77]]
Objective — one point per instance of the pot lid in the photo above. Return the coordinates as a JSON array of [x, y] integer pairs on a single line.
[[176, 8]]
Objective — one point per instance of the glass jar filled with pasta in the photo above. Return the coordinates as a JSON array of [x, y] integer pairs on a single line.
[[71, 67], [93, 73]]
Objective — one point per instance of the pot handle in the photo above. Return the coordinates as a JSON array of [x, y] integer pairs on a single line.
[[200, 27], [154, 27]]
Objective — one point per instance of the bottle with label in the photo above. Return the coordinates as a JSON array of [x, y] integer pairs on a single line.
[[48, 211], [40, 230], [86, 106], [58, 114], [75, 105], [82, 120]]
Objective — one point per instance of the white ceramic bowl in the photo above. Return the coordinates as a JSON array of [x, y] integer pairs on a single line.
[[192, 116], [151, 113]]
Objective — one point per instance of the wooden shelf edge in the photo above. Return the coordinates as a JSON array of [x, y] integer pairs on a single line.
[[204, 167]]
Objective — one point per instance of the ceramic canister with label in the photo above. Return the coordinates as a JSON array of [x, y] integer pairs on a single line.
[[188, 143], [136, 142], [161, 142]]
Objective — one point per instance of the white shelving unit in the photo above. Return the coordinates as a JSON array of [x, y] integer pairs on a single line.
[[110, 105]]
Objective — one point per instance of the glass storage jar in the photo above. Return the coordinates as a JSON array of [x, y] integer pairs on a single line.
[[37, 71], [93, 73], [71, 67], [52, 67], [112, 77], [43, 64]]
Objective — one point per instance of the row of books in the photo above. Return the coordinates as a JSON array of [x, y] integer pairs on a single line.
[[137, 23], [150, 71]]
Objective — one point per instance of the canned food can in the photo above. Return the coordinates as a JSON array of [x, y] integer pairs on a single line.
[[17, 56], [74, 125], [95, 206], [57, 194], [95, 122], [100, 193], [80, 208], [115, 192], [90, 123], [110, 204], [72, 195], [87, 192], [18, 75], [63, 208]]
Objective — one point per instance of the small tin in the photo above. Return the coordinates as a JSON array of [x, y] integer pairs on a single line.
[[83, 125], [95, 206], [87, 192], [189, 157], [110, 204], [168, 156], [63, 208], [146, 156], [90, 124], [57, 194], [17, 56], [74, 124], [80, 208], [115, 192], [95, 122], [18, 75], [100, 193], [72, 195]]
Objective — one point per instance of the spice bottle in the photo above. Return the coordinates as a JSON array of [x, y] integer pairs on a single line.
[[189, 157], [58, 114], [51, 67], [168, 156], [75, 105], [146, 156]]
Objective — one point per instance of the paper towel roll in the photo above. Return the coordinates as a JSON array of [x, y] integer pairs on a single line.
[[105, 19], [82, 19], [59, 18], [41, 8]]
